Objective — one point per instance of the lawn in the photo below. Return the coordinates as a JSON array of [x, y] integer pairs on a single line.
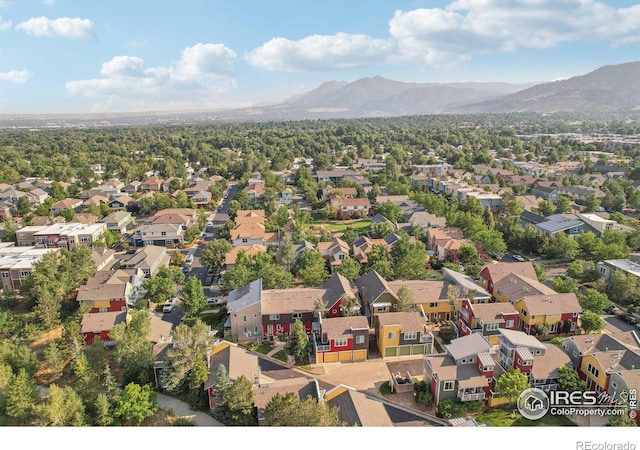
[[502, 417], [359, 225]]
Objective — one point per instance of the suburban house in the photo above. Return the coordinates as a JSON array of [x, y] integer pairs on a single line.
[[302, 387], [118, 221], [337, 289], [601, 224], [133, 187], [363, 245], [255, 191], [486, 319], [244, 308], [569, 224], [103, 257], [334, 251], [237, 361], [202, 199], [280, 308], [494, 272], [250, 250], [120, 203], [16, 263], [161, 234], [608, 363], [631, 267], [286, 196], [109, 291], [66, 203], [341, 339], [557, 312], [151, 184], [149, 259], [249, 215], [439, 236], [63, 235], [252, 233], [466, 372], [84, 218], [343, 192], [546, 193], [185, 217], [356, 408], [350, 207], [98, 325], [513, 287], [334, 176], [402, 334]]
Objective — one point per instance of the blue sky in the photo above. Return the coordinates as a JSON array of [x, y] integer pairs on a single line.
[[77, 56]]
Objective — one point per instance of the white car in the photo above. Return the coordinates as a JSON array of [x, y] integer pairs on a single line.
[[518, 258], [214, 301], [168, 307]]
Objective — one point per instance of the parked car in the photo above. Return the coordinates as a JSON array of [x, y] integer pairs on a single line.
[[628, 318], [518, 258], [215, 301], [168, 307], [612, 309]]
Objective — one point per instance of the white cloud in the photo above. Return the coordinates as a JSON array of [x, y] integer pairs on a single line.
[[5, 24], [198, 80], [16, 76], [320, 52], [469, 27], [67, 27]]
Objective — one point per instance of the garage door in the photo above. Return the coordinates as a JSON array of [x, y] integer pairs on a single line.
[[360, 355], [390, 351], [419, 349], [346, 357], [330, 357], [405, 350]]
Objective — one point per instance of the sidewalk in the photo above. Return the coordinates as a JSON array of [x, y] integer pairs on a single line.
[[182, 409]]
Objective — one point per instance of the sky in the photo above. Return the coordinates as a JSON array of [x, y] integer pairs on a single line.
[[84, 56]]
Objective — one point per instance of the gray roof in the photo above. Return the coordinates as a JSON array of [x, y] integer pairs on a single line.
[[465, 282], [468, 345], [244, 296], [336, 286], [521, 339], [371, 285]]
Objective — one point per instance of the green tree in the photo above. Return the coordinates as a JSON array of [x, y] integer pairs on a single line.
[[297, 344], [289, 254], [54, 359], [136, 404], [468, 255], [10, 229], [591, 322], [546, 208], [103, 416], [541, 272], [190, 343], [591, 203], [381, 229], [564, 285], [562, 246], [311, 268], [563, 205], [389, 210], [593, 300], [21, 398], [63, 408], [239, 397], [221, 385], [405, 299], [192, 298], [349, 268], [570, 381], [575, 269], [511, 384], [289, 411], [623, 288], [132, 349], [214, 252], [23, 206], [68, 214]]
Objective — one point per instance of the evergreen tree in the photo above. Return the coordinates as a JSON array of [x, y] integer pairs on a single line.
[[297, 345], [21, 398]]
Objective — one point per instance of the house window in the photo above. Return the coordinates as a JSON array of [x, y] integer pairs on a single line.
[[163, 233], [391, 335], [523, 312], [360, 339], [334, 311], [410, 336], [593, 371], [5, 274], [464, 360], [381, 308], [448, 385], [491, 327], [297, 316], [103, 310], [278, 327], [255, 329], [340, 342], [575, 314], [342, 256], [614, 385], [509, 324], [25, 273], [244, 318], [274, 316], [433, 305], [575, 354], [603, 270]]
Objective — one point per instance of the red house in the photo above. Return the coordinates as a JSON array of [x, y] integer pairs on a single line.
[[100, 324], [494, 272], [342, 339]]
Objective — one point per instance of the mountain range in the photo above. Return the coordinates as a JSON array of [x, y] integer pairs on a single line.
[[609, 89]]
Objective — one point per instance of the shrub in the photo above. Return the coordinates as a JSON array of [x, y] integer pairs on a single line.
[[423, 397], [184, 422]]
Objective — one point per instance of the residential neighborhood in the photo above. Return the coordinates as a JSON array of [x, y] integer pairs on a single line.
[[298, 282]]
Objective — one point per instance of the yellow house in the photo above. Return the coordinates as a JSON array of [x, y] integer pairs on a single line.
[[402, 333], [558, 312], [597, 367]]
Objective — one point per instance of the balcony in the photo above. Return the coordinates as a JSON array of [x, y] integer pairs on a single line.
[[473, 396]]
